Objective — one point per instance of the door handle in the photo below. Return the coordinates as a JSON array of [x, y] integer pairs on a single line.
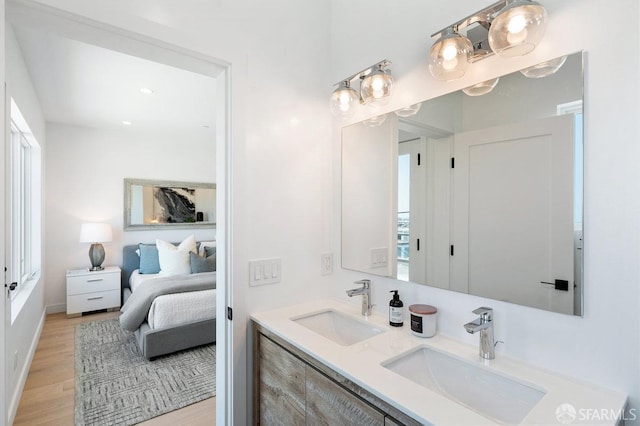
[[562, 285]]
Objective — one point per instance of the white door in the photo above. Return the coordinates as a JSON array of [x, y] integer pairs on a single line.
[[513, 213], [412, 241]]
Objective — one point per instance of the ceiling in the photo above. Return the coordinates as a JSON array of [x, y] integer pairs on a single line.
[[86, 85]]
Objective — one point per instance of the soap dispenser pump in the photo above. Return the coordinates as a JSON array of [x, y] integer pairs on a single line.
[[395, 310]]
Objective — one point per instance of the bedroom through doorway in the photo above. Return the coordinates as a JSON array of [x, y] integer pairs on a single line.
[[117, 106]]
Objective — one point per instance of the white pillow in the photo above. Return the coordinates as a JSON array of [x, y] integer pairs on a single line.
[[204, 244], [175, 260]]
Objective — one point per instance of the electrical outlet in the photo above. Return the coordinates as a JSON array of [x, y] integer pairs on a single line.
[[326, 263]]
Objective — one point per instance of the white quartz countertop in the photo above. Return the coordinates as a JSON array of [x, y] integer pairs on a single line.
[[362, 363]]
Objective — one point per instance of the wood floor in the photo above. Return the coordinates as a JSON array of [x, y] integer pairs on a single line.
[[48, 397]]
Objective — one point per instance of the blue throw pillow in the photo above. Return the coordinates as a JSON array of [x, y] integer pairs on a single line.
[[209, 251], [149, 261], [202, 264]]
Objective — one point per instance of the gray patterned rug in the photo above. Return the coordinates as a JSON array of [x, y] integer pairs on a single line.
[[116, 385]]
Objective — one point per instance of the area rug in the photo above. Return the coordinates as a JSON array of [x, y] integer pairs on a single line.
[[116, 385]]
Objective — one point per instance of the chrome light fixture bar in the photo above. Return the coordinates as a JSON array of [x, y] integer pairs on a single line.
[[376, 83], [508, 28]]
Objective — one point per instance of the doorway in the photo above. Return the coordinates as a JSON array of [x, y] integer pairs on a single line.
[[79, 30]]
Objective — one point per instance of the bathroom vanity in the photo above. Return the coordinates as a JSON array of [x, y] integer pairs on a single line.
[[324, 363]]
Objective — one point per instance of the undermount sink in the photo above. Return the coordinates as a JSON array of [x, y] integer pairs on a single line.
[[339, 327], [488, 393]]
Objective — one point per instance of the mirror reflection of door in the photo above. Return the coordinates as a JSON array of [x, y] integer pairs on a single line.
[[510, 241], [423, 204], [411, 210]]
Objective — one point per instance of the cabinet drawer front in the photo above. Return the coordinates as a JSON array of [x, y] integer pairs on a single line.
[[93, 301], [91, 284]]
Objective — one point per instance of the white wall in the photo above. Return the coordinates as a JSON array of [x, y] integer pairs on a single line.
[[85, 175], [602, 347], [22, 334]]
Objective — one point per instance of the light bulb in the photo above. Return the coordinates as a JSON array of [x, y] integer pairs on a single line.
[[516, 24], [449, 51]]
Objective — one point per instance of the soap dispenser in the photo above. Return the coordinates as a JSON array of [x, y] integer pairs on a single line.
[[395, 310]]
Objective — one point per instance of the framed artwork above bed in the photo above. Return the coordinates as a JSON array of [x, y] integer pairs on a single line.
[[157, 204]]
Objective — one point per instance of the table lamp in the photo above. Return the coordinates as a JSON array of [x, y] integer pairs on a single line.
[[95, 233]]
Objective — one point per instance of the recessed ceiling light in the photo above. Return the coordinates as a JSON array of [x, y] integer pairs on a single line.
[[146, 90], [126, 123]]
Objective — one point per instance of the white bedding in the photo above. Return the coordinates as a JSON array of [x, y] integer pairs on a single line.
[[137, 278], [175, 309]]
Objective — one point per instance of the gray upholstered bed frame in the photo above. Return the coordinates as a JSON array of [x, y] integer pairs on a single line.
[[154, 343]]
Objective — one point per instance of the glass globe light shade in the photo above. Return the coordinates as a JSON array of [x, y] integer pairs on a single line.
[[342, 100], [409, 110], [517, 28], [375, 88], [449, 56], [481, 88], [375, 121], [544, 69]]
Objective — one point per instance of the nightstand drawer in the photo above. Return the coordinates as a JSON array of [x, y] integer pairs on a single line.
[[93, 301], [90, 284]]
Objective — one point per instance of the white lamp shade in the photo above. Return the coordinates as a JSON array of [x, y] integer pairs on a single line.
[[95, 233]]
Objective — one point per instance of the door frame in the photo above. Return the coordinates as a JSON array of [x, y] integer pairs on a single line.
[[132, 43]]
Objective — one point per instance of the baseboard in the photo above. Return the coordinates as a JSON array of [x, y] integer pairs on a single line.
[[15, 398], [54, 309]]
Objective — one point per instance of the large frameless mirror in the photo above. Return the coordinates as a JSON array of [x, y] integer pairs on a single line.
[[477, 191]]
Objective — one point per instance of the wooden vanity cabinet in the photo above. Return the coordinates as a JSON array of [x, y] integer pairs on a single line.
[[293, 388]]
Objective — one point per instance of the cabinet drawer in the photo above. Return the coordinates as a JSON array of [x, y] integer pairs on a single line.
[[91, 284], [93, 301]]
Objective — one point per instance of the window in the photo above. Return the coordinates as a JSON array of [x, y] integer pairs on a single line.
[[24, 189]]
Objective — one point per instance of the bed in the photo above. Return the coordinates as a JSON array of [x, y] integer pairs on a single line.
[[170, 324]]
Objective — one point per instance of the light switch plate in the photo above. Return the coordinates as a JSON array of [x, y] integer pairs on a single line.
[[264, 271]]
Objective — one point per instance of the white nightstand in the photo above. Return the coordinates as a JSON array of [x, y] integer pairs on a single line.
[[91, 291]]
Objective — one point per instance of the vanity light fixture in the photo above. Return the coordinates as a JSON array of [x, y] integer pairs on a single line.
[[375, 121], [449, 56], [481, 88], [508, 28], [544, 69], [409, 110], [376, 83], [342, 100]]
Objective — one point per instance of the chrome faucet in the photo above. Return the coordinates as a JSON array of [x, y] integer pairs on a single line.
[[365, 291], [484, 325]]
